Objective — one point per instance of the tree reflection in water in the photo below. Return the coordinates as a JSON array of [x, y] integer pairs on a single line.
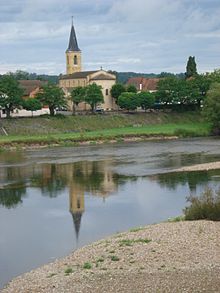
[[193, 179]]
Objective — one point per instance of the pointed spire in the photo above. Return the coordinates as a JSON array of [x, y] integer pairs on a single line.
[[73, 45], [77, 221]]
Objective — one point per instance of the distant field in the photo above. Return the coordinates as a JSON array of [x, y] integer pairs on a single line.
[[101, 127]]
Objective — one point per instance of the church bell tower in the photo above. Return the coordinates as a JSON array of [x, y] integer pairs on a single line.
[[73, 54]]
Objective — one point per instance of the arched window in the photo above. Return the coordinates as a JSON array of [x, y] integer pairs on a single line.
[[75, 60]]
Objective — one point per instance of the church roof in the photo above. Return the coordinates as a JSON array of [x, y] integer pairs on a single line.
[[73, 45], [80, 74], [103, 77]]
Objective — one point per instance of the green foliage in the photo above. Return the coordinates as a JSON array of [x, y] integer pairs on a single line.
[[128, 101], [32, 105], [183, 92], [20, 74], [191, 67], [52, 96], [131, 88], [68, 271], [114, 258], [131, 242], [10, 94], [78, 95], [116, 90], [93, 95], [87, 266], [134, 230], [176, 219], [207, 206], [146, 100], [211, 108]]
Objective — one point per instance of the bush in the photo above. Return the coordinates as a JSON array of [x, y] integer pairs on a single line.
[[207, 206]]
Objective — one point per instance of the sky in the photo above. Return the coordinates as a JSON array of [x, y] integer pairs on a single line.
[[123, 35]]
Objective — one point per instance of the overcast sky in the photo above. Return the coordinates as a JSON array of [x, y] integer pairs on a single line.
[[123, 35]]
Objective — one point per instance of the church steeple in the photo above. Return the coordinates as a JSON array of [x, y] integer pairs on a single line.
[[73, 54]]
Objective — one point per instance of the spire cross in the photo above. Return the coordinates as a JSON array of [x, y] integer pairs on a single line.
[[72, 19]]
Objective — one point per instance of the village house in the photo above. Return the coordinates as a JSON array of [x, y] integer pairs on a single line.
[[30, 88], [144, 84], [75, 77]]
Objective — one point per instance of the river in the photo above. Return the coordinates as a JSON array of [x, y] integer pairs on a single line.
[[55, 200]]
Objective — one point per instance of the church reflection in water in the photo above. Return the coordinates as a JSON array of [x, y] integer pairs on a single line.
[[79, 180], [95, 178]]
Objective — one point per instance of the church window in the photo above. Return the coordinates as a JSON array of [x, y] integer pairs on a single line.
[[106, 92], [75, 60], [78, 203]]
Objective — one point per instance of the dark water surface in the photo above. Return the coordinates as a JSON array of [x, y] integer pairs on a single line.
[[55, 200]]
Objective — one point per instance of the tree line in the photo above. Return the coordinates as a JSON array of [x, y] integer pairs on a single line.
[[194, 91]]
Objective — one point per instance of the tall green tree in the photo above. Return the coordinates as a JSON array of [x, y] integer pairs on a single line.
[[166, 90], [93, 95], [32, 105], [10, 94], [128, 101], [78, 96], [191, 69], [146, 100], [211, 109], [52, 96], [116, 90]]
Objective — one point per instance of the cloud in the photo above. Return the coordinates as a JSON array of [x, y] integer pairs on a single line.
[[124, 35]]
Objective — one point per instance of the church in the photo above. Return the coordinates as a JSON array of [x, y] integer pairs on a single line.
[[75, 77]]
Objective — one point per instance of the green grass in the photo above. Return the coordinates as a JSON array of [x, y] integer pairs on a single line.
[[195, 129], [134, 230], [87, 266], [68, 271], [131, 242], [114, 258]]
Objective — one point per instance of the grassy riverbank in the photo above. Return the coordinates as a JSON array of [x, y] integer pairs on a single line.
[[76, 129]]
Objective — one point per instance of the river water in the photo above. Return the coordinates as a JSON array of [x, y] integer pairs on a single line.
[[55, 200]]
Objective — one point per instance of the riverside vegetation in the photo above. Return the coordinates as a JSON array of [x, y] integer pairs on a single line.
[[75, 129]]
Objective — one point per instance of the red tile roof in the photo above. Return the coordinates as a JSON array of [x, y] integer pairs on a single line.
[[148, 84], [30, 85]]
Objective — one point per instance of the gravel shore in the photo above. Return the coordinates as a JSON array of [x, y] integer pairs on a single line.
[[166, 257], [200, 167]]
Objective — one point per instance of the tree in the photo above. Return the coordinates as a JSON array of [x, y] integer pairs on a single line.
[[128, 101], [20, 74], [211, 108], [165, 90], [93, 95], [200, 85], [191, 67], [10, 94], [52, 96], [116, 90], [78, 96], [32, 105], [146, 100], [131, 88]]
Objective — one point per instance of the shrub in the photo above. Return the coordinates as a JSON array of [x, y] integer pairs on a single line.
[[87, 265], [207, 206]]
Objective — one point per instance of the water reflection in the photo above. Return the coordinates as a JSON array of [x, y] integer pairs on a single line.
[[192, 179], [54, 200]]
